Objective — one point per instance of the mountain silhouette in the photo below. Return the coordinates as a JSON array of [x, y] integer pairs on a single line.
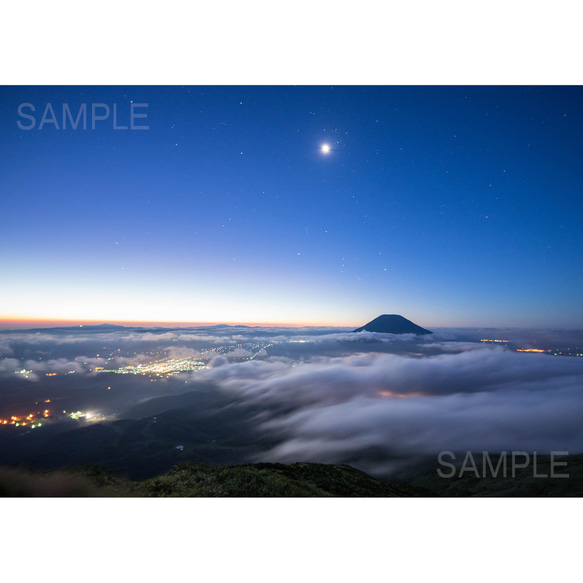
[[392, 324]]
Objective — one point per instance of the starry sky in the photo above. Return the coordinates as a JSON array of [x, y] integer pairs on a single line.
[[453, 206]]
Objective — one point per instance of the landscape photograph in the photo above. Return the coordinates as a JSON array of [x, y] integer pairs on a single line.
[[291, 291]]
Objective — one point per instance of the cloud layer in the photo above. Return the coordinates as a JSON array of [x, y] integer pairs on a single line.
[[373, 410], [376, 401]]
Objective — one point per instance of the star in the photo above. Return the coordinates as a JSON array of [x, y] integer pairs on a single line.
[[325, 148]]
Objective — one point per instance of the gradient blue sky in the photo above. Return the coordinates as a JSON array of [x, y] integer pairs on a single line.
[[453, 206]]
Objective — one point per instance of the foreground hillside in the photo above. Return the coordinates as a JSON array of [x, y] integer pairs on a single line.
[[190, 479], [525, 484]]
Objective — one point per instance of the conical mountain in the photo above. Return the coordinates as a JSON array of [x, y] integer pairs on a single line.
[[392, 324]]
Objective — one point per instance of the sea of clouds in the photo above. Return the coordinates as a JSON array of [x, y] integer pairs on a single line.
[[377, 401]]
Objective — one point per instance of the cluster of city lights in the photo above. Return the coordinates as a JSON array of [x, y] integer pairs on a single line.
[[166, 367], [32, 419], [79, 415], [169, 367], [553, 351], [174, 366], [262, 348]]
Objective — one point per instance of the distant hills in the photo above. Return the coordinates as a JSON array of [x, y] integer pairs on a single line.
[[387, 323], [392, 324]]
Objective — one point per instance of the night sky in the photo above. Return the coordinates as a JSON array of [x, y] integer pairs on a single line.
[[453, 206]]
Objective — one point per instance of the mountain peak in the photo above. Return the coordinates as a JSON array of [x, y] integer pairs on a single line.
[[392, 324]]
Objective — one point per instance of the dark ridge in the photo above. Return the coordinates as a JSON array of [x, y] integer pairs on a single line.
[[188, 479], [392, 324]]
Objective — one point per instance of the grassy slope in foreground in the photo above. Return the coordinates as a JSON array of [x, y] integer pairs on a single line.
[[283, 480], [191, 479]]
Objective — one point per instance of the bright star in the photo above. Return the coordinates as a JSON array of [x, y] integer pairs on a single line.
[[325, 149]]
